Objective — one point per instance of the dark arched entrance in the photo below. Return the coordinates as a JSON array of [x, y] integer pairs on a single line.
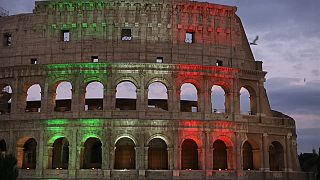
[[189, 159]]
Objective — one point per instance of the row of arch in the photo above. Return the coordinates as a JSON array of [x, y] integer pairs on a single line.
[[125, 155], [126, 97]]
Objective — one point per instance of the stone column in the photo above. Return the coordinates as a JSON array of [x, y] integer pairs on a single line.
[[236, 102], [170, 158], [15, 97], [202, 159], [201, 102], [40, 146], [266, 166], [77, 96], [207, 101], [112, 156], [79, 157], [74, 154], [146, 148], [288, 153], [47, 158], [231, 160], [170, 99]]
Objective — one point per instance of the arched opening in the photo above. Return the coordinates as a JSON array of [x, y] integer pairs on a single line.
[[33, 98], [247, 101], [247, 155], [60, 153], [29, 154], [63, 96], [189, 159], [276, 156], [126, 96], [3, 147], [220, 155], [218, 99], [94, 96], [188, 98], [92, 156], [157, 154], [125, 155], [5, 100], [157, 96]]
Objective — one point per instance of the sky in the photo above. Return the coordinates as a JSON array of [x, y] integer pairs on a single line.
[[289, 38]]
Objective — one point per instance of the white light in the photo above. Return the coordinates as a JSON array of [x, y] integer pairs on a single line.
[[219, 169], [28, 168]]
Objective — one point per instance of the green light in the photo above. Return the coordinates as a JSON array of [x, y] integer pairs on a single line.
[[64, 26], [91, 122], [94, 25], [74, 25], [54, 26], [57, 122], [84, 25], [78, 68]]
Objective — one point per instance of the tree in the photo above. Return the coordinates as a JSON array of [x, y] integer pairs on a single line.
[[8, 167]]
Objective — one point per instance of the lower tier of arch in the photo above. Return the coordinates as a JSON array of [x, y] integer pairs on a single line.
[[150, 149]]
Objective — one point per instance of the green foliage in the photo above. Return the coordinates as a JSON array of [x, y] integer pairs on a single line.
[[310, 162], [8, 167]]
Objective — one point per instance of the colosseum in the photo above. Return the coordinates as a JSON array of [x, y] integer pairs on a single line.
[[111, 89]]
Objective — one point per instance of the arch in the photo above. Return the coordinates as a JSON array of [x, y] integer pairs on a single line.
[[189, 153], [125, 155], [276, 156], [60, 153], [157, 154], [188, 98], [63, 96], [158, 96], [92, 154], [160, 136], [126, 95], [250, 155], [94, 96], [247, 101], [3, 147], [5, 99], [218, 99], [220, 155], [27, 154], [247, 156], [33, 98], [162, 80]]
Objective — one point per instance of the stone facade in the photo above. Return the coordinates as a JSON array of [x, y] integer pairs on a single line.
[[198, 43]]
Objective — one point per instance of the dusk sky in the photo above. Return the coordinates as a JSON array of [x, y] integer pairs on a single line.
[[289, 38]]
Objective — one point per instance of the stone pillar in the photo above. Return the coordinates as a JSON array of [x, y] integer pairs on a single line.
[[170, 158], [40, 146], [237, 154], [266, 166], [146, 158], [201, 103], [176, 100], [207, 101], [231, 162], [236, 102], [74, 154], [15, 97], [47, 158], [178, 158], [288, 153], [77, 93], [81, 100], [201, 159], [112, 156], [19, 155], [79, 157], [170, 99], [137, 159]]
